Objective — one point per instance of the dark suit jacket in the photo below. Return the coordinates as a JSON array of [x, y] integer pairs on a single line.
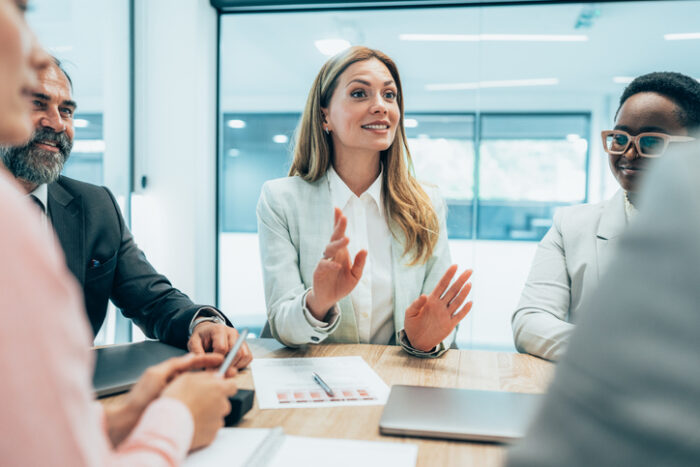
[[91, 229], [627, 392]]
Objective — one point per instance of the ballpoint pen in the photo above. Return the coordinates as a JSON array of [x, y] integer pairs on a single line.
[[323, 384], [232, 354]]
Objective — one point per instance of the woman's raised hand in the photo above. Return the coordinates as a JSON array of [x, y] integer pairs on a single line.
[[430, 319], [335, 276]]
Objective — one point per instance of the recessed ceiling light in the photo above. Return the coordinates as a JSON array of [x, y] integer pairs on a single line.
[[623, 79], [280, 139], [494, 37], [331, 46], [410, 123], [682, 36], [89, 145], [61, 49], [80, 123], [513, 83], [235, 123], [233, 152]]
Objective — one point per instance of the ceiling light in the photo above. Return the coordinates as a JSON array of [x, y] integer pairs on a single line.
[[89, 145], [236, 124], [623, 79], [60, 49], [80, 123], [280, 139], [410, 123], [492, 84], [233, 152], [494, 37], [331, 47], [682, 37]]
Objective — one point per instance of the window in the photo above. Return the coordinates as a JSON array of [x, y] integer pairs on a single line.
[[502, 114]]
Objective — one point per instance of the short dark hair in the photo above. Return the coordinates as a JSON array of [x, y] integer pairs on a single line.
[[683, 90], [59, 65]]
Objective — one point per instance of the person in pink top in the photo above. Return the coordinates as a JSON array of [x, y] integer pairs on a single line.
[[47, 412]]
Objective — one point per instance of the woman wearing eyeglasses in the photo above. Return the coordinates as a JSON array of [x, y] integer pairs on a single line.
[[656, 110]]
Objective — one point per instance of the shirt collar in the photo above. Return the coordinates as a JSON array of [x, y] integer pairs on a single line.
[[42, 194], [630, 210], [341, 194]]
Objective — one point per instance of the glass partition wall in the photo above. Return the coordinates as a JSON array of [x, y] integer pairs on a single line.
[[504, 105], [92, 40]]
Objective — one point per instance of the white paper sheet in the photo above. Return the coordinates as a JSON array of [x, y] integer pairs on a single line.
[[282, 383], [233, 446]]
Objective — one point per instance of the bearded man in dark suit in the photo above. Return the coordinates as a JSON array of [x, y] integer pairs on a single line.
[[100, 251]]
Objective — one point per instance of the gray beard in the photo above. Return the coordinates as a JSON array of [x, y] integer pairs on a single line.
[[35, 165]]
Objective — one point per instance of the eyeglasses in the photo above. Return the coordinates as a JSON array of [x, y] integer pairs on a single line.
[[648, 144]]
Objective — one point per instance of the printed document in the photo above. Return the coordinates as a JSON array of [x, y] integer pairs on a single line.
[[283, 383]]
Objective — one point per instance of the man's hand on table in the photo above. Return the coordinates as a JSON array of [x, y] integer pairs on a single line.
[[219, 338], [122, 418]]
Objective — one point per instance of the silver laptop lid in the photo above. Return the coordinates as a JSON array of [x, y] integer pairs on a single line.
[[458, 413]]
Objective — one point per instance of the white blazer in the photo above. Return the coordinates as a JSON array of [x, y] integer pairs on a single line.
[[565, 273], [295, 223]]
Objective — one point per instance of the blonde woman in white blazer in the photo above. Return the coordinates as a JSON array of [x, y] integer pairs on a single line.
[[350, 190], [655, 110]]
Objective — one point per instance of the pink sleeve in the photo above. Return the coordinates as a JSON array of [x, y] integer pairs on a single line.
[[48, 415], [163, 433]]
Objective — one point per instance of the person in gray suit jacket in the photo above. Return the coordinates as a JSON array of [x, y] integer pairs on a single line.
[[351, 153], [655, 110], [627, 391], [99, 249]]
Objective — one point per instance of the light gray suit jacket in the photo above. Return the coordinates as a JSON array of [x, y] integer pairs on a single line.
[[627, 392], [295, 223], [565, 273]]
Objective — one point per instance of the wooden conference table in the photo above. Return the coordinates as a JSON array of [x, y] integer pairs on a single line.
[[470, 369]]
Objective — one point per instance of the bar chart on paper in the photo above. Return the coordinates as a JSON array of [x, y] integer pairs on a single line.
[[282, 383]]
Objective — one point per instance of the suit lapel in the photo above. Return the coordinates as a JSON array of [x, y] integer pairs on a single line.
[[66, 215], [612, 223]]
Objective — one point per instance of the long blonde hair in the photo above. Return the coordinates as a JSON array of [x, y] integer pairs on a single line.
[[408, 205]]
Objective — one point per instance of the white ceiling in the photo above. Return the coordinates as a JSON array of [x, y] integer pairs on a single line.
[[269, 60]]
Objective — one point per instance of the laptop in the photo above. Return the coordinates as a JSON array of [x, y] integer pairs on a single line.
[[118, 367], [463, 414]]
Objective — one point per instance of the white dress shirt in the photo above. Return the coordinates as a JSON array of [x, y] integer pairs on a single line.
[[41, 193], [367, 229]]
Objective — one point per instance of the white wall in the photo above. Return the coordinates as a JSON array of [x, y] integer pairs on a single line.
[[174, 217]]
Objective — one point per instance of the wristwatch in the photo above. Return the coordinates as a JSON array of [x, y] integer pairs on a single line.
[[201, 319]]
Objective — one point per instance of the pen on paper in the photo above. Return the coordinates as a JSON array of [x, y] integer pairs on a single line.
[[323, 384], [232, 354]]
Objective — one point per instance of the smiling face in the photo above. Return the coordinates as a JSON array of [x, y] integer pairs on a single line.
[[20, 60], [641, 113], [363, 113], [42, 158]]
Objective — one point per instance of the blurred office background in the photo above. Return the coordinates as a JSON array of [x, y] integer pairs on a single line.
[[185, 111]]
